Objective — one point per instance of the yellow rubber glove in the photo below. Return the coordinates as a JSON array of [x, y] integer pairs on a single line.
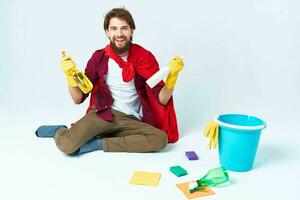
[[176, 65], [69, 68], [74, 76], [211, 131]]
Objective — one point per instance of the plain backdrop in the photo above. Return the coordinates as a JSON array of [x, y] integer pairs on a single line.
[[240, 57]]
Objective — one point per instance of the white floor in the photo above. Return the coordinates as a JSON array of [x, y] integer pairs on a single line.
[[32, 168]]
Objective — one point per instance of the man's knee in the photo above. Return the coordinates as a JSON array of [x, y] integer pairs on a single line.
[[161, 141], [64, 144]]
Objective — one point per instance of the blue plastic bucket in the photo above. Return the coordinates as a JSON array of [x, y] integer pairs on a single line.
[[238, 140]]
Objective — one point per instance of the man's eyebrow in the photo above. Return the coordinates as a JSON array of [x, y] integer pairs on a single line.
[[125, 26]]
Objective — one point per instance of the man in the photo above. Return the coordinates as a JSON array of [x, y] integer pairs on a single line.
[[125, 114]]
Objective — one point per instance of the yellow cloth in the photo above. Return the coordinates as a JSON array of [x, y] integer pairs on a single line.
[[211, 131], [176, 65], [145, 178]]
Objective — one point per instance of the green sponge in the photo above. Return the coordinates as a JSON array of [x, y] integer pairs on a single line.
[[178, 171]]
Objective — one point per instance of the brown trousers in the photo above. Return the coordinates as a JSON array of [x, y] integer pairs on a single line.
[[125, 134]]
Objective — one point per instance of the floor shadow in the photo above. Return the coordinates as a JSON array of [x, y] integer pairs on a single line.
[[169, 148]]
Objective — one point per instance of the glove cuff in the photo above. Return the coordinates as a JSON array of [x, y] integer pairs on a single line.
[[170, 83], [71, 82]]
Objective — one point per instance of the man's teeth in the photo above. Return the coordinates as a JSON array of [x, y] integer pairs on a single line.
[[120, 40]]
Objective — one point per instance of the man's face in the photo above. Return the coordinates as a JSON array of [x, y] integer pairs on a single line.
[[120, 35]]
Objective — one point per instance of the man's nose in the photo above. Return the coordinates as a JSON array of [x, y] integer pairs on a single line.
[[119, 32]]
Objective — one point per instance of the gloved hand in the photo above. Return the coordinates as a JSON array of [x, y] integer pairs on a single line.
[[212, 131], [176, 65], [74, 76], [69, 68]]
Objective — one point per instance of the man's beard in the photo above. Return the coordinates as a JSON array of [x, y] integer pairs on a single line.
[[123, 49]]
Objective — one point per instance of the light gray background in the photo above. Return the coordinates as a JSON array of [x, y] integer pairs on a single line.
[[240, 57]]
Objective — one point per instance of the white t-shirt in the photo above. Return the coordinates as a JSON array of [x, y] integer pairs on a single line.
[[124, 94]]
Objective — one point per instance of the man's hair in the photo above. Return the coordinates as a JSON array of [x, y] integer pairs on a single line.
[[121, 13]]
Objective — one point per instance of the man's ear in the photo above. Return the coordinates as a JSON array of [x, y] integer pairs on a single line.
[[106, 33]]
